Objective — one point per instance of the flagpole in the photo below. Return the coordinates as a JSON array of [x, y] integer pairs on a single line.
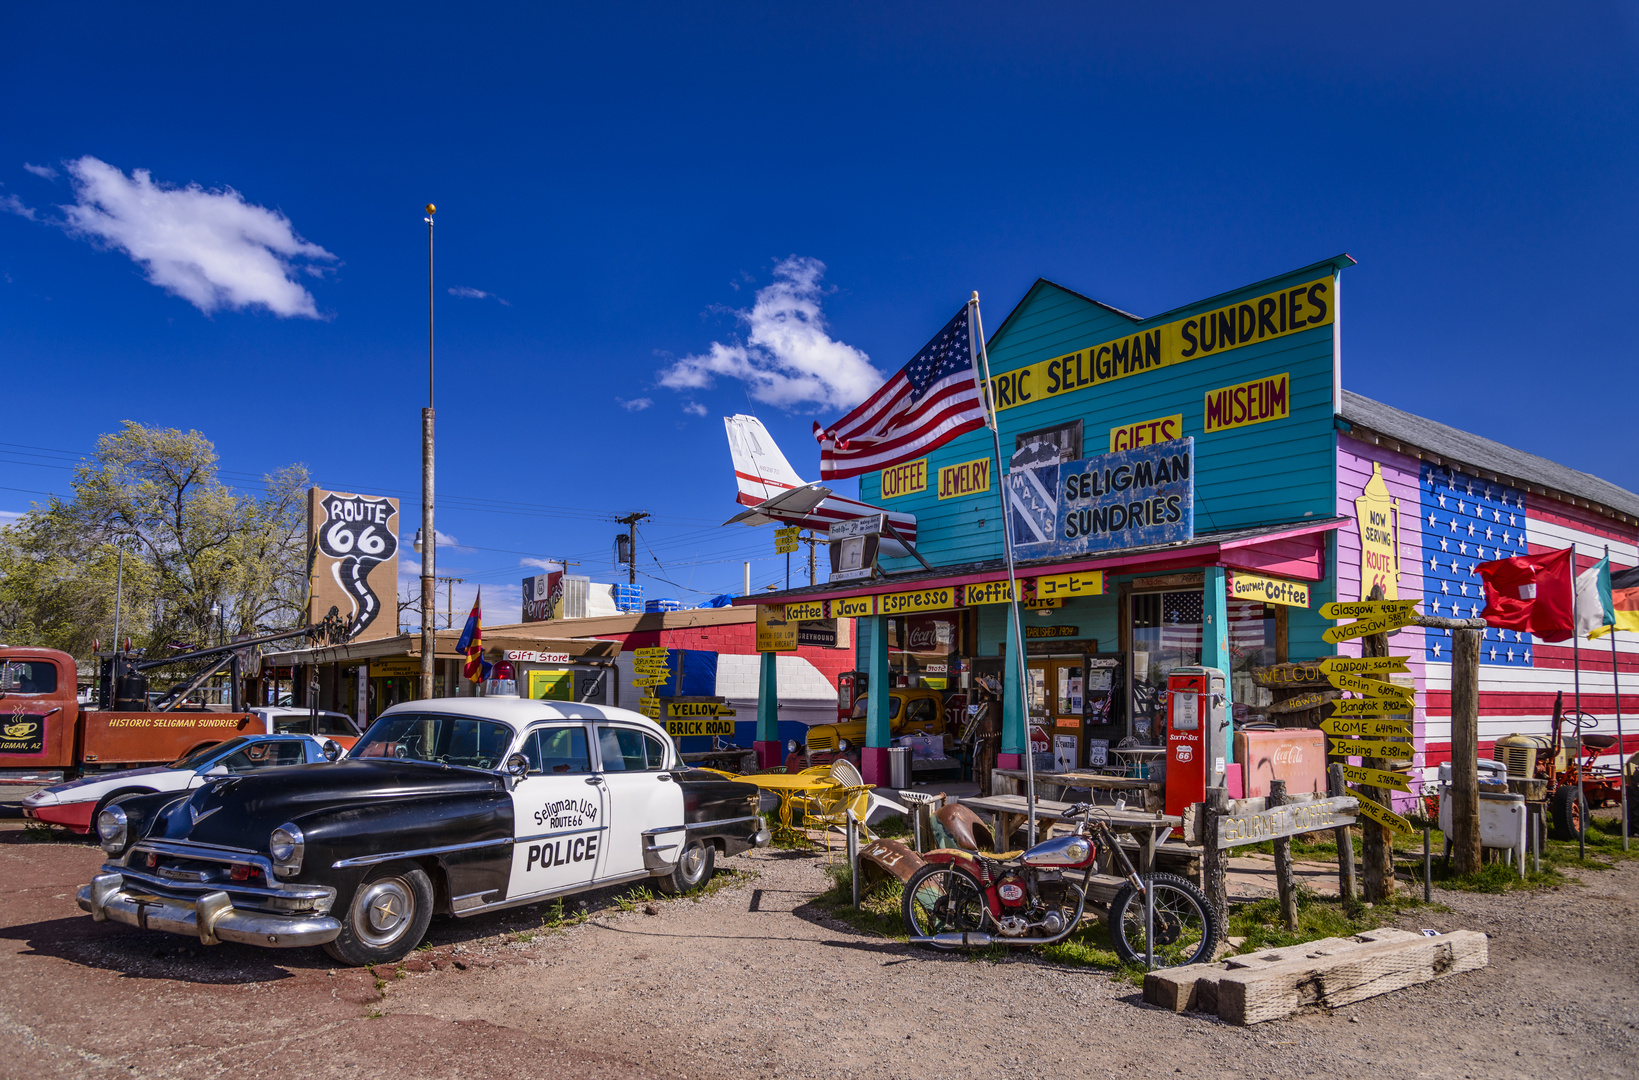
[[1621, 750], [978, 335], [1576, 685]]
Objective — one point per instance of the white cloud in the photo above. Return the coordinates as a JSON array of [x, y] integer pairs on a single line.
[[548, 565], [44, 172], [787, 358], [695, 407], [9, 516], [468, 293], [211, 248], [636, 404], [11, 204]]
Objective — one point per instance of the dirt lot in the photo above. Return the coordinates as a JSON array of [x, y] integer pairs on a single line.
[[754, 981]]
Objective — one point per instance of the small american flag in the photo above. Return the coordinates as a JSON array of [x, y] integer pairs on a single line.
[[933, 399]]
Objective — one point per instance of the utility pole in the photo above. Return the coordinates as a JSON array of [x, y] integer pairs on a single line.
[[429, 547], [630, 521], [811, 540], [449, 599]]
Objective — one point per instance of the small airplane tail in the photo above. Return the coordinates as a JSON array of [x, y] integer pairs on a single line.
[[760, 469]]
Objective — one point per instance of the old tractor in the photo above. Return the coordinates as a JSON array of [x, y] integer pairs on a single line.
[[1574, 783]]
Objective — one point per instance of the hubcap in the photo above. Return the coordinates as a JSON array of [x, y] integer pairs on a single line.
[[694, 861], [382, 911]]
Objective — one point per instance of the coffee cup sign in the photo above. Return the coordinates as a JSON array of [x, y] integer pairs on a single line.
[[354, 545]]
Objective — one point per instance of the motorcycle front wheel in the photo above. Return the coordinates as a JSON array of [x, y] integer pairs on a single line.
[[941, 899], [1185, 928]]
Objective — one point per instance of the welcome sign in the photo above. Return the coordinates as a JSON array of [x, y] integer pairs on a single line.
[[1133, 498]]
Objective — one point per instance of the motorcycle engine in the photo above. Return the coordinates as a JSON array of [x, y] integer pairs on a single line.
[[1011, 891], [1052, 923], [1013, 925]]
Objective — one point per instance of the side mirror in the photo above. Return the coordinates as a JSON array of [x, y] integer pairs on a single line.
[[517, 766], [217, 770], [332, 750]]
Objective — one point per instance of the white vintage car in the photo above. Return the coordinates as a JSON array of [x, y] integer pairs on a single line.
[[76, 803]]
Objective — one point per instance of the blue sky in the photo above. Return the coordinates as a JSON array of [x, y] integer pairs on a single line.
[[616, 187]]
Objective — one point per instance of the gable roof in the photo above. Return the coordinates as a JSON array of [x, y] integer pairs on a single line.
[[1487, 458]]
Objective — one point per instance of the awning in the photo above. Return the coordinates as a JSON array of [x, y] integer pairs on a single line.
[[1292, 549]]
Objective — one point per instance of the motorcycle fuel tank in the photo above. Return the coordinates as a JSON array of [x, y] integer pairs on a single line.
[[1062, 851]]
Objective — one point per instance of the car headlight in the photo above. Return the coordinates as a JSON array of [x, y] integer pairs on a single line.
[[286, 846], [791, 746], [843, 746], [113, 828]]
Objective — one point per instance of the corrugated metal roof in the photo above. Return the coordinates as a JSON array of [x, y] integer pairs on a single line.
[[1485, 456]]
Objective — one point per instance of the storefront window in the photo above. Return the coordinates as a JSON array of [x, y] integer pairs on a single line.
[[922, 648], [1166, 634], [1251, 645]]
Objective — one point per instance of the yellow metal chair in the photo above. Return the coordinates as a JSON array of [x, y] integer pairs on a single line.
[[830, 810]]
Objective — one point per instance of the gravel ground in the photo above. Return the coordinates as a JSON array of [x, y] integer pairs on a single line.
[[754, 981]]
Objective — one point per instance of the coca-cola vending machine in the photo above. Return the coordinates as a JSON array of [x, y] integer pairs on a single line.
[[1197, 730]]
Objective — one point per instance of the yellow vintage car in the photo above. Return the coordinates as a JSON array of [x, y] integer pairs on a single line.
[[910, 712]]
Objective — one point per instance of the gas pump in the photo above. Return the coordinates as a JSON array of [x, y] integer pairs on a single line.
[[1197, 734], [851, 685]]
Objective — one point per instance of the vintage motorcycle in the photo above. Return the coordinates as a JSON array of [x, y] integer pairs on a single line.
[[967, 897]]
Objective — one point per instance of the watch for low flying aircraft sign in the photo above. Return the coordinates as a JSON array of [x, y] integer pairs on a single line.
[[1371, 687], [1371, 727], [1383, 815], [1364, 665], [1378, 778], [1365, 748]]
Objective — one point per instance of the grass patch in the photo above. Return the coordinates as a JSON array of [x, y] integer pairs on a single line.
[[1259, 922], [893, 825], [879, 911], [633, 897], [722, 879]]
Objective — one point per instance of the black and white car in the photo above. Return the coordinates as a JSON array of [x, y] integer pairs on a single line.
[[456, 805]]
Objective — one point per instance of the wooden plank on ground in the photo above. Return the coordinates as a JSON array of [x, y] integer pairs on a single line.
[[1256, 995]]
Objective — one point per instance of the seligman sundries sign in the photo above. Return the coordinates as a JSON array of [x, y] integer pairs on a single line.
[[1132, 498]]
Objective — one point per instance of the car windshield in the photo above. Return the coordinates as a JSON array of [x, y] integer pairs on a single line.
[[199, 757], [439, 737], [893, 707]]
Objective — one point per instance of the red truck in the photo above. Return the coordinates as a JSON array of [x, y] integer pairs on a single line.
[[47, 736]]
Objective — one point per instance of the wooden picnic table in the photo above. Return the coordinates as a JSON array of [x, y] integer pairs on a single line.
[[1008, 812], [1011, 782]]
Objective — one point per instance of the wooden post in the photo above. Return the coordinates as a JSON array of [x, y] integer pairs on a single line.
[[1465, 750], [1283, 862], [1345, 845], [1214, 858], [1377, 849]]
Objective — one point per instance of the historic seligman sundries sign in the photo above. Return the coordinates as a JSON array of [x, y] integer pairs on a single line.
[[1132, 498]]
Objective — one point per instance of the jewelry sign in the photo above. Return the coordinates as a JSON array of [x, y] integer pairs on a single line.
[[352, 544]]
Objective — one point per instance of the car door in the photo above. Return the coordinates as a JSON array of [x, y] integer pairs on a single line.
[[641, 794], [558, 812]]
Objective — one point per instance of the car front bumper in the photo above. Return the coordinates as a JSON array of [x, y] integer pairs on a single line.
[[212, 918]]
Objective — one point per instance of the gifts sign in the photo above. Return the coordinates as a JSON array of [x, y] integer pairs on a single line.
[[353, 540]]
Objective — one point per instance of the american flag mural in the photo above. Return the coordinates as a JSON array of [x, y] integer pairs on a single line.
[[1450, 521]]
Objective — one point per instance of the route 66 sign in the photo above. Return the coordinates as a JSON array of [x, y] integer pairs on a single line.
[[353, 548]]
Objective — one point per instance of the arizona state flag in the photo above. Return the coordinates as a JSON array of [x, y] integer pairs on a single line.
[[472, 641], [1531, 592]]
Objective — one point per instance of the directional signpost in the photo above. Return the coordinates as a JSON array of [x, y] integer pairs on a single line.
[[1373, 715]]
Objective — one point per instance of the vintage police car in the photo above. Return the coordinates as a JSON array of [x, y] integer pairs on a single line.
[[451, 805]]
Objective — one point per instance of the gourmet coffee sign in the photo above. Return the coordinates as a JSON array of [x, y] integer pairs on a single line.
[[353, 555]]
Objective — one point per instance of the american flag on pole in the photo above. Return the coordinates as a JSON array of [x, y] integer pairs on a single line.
[[932, 399]]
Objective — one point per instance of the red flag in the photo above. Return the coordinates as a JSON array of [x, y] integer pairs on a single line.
[[1531, 592]]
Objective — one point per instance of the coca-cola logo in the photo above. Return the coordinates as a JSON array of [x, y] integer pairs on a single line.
[[921, 638], [1289, 755]]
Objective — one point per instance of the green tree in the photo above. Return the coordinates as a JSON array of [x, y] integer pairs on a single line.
[[201, 558]]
